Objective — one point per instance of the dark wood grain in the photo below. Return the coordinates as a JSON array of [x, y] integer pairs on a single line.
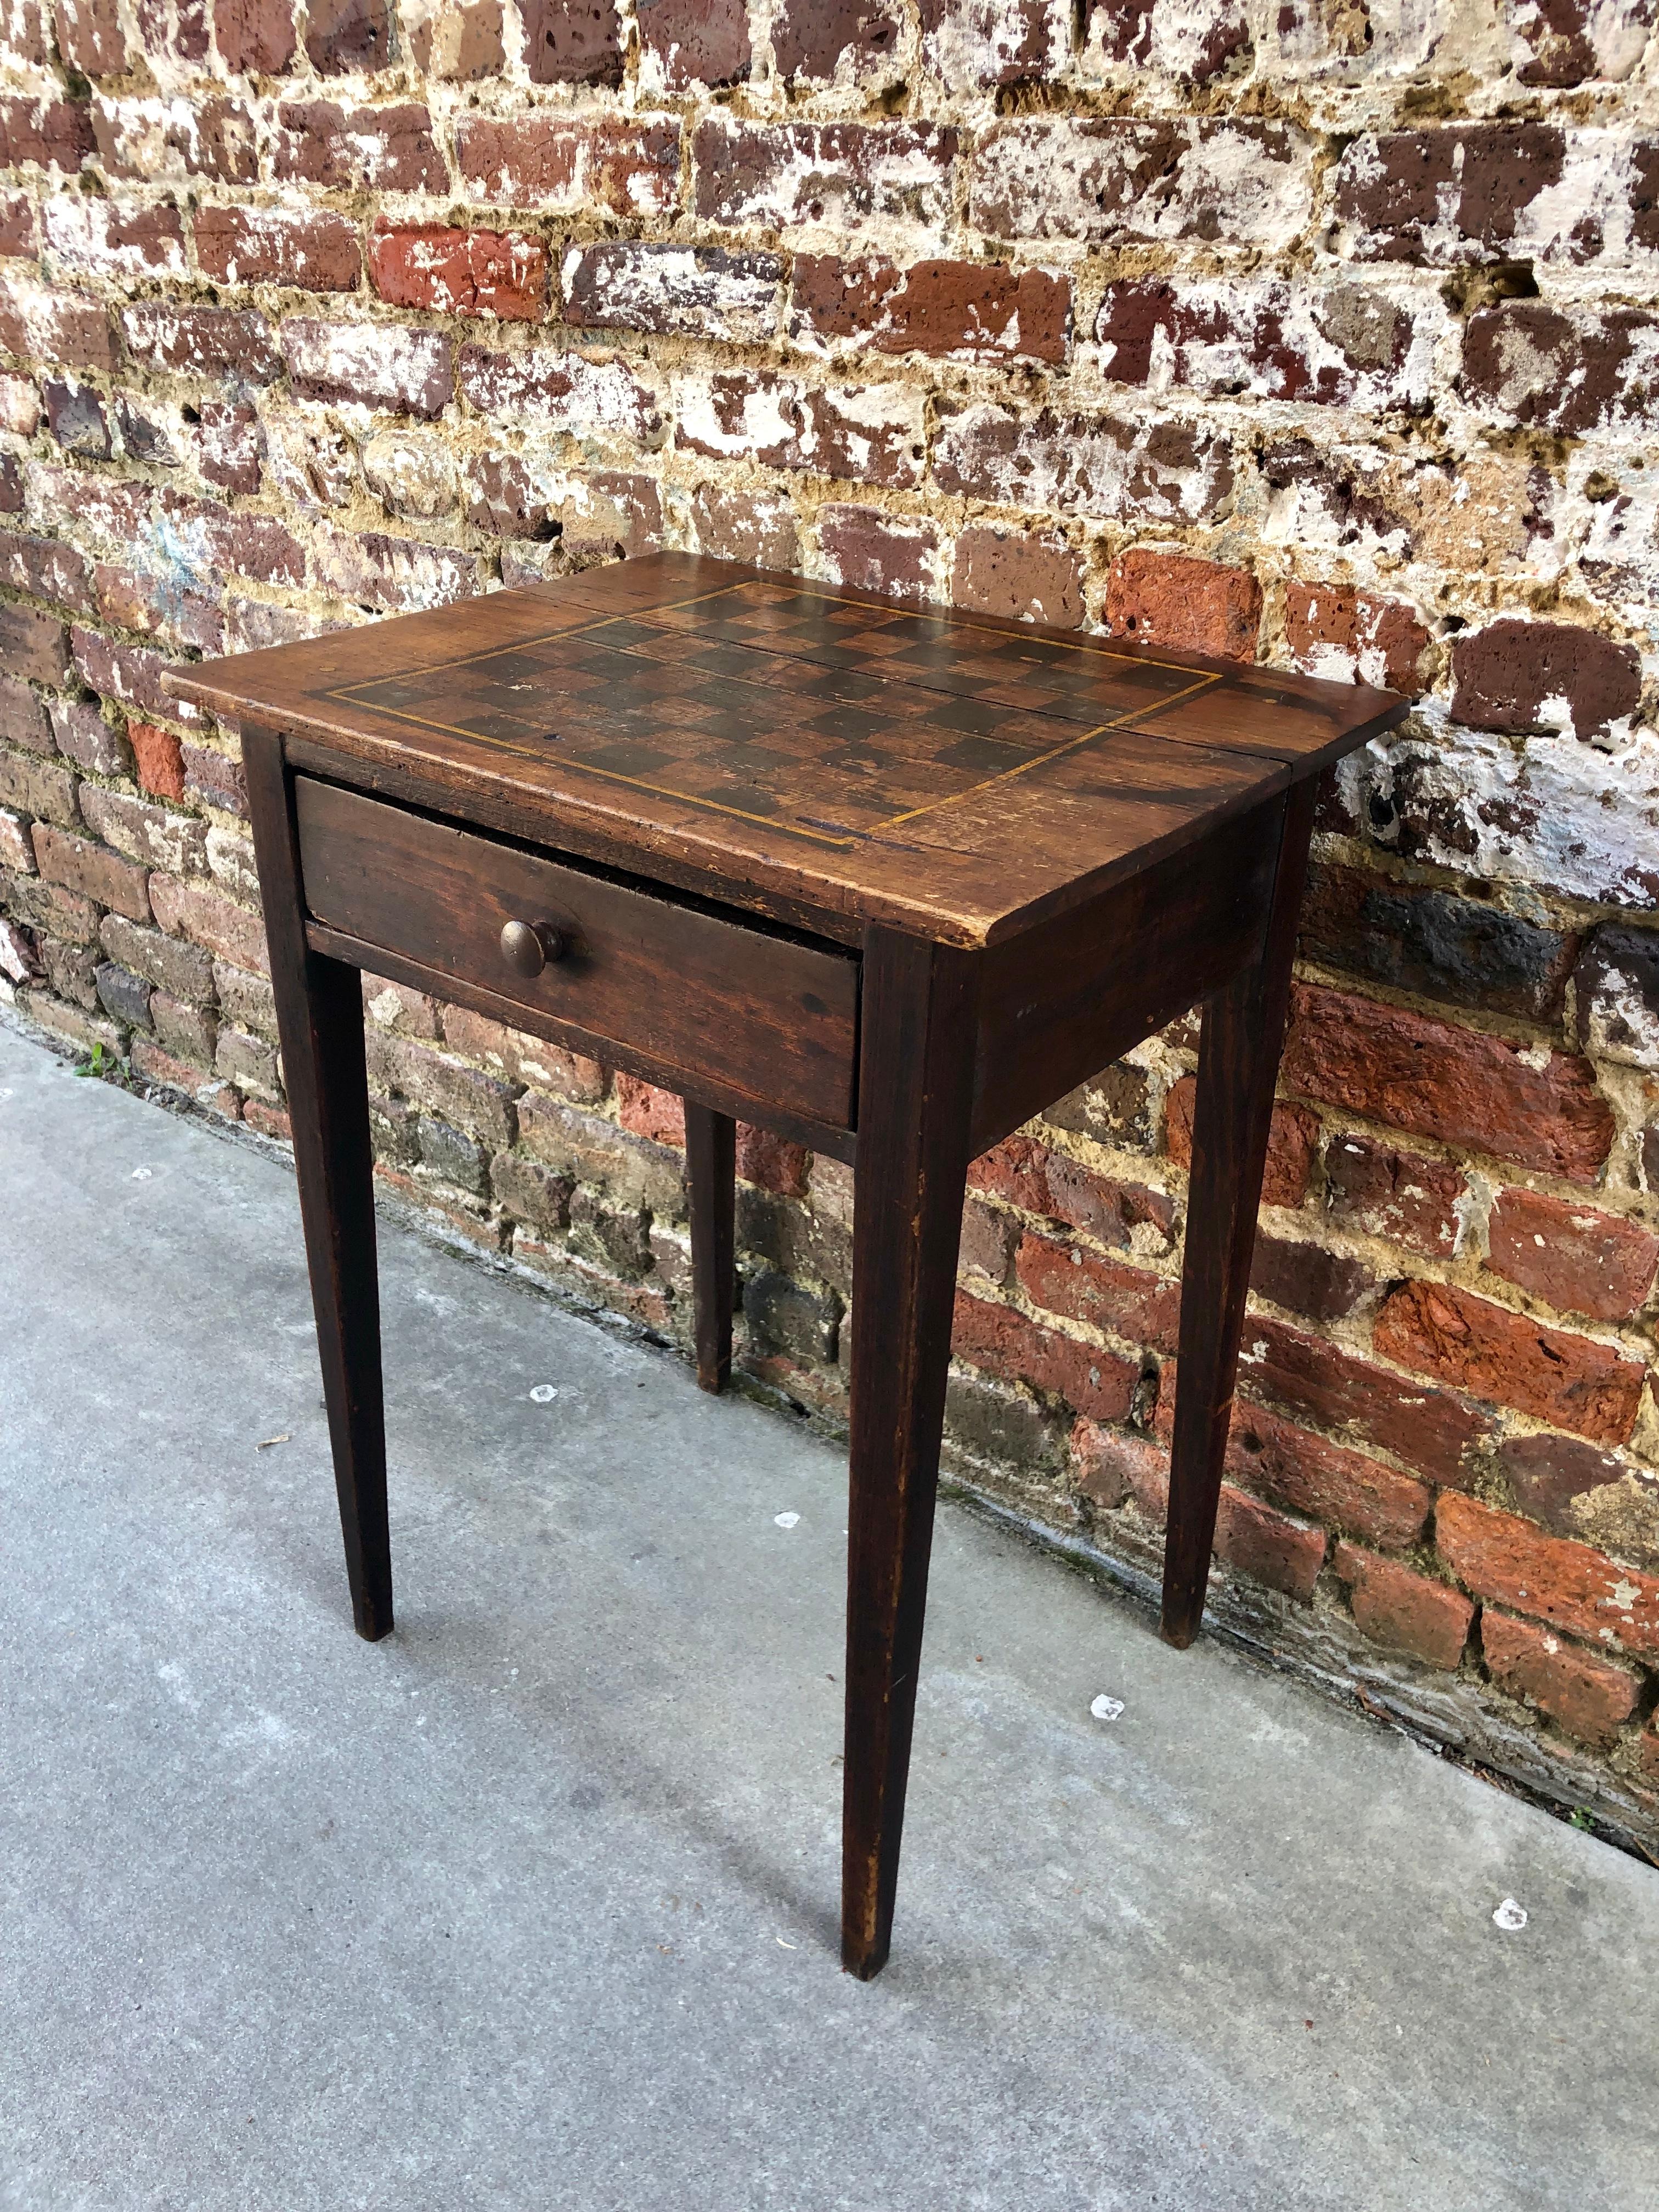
[[319, 1019], [773, 740], [691, 990], [1237, 1068], [917, 1056], [711, 1182]]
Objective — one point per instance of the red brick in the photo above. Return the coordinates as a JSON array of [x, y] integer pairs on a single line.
[[1404, 1611], [605, 165], [872, 433], [1116, 467], [23, 717], [269, 1121], [1435, 1080], [33, 646], [695, 42], [53, 134], [1457, 193], [1431, 1431], [1130, 1302], [1506, 672], [1268, 338], [131, 674], [1568, 1381], [1343, 1489], [1569, 1586], [649, 1112], [65, 327], [1292, 1142], [501, 274], [522, 1059], [200, 341], [1109, 1465], [160, 764], [316, 250], [875, 552], [1307, 1278], [382, 150], [780, 176], [192, 910], [772, 1162], [968, 310], [1551, 1474], [1009, 1344], [93, 871], [1111, 178], [816, 38], [110, 239], [46, 569], [173, 842], [226, 541], [1348, 635], [131, 599], [1267, 1545], [39, 787], [1578, 1259], [743, 524], [347, 35], [383, 365], [705, 291], [1585, 1696], [88, 36], [255, 35], [1410, 1200], [572, 41], [1029, 1175], [1191, 606]]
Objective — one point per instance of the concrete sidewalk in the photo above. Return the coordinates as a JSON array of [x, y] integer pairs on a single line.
[[532, 1905]]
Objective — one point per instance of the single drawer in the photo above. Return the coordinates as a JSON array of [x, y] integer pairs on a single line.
[[757, 1012]]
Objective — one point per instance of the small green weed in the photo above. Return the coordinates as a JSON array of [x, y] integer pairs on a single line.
[[106, 1065], [1581, 1817]]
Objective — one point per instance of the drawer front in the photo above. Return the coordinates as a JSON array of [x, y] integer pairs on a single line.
[[693, 993]]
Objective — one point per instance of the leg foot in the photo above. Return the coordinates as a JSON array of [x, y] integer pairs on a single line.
[[711, 1173]]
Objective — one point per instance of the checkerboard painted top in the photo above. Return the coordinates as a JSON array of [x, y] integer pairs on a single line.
[[801, 747]]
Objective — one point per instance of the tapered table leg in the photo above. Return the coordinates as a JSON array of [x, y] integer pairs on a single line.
[[711, 1175], [1237, 1068], [319, 1018], [916, 1074]]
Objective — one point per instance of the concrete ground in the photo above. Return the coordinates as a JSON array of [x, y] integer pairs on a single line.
[[532, 1905]]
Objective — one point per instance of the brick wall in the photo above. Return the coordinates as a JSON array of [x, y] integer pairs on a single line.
[[1318, 331]]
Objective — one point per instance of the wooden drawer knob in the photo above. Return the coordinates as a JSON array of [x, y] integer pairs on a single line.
[[528, 946]]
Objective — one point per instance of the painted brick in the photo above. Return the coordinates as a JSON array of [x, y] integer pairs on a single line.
[[33, 646], [1191, 43], [316, 250], [572, 41], [1585, 1696], [1122, 468], [200, 341], [381, 365], [129, 674], [837, 176], [872, 551], [46, 569], [965, 310], [1577, 1260], [75, 417], [824, 40], [1018, 576], [202, 915], [499, 274], [88, 34], [1348, 635], [1008, 1344], [56, 325], [391, 575], [1463, 950], [20, 405], [152, 139], [255, 35], [1292, 1143], [92, 871], [456, 44], [1434, 1431], [568, 166], [1458, 1086], [1109, 179], [1188, 606], [1564, 45], [1404, 1611], [220, 540], [389, 149], [84, 737], [23, 717], [37, 787], [687, 43], [230, 445], [50, 134], [586, 395], [975, 45], [1568, 1586], [111, 239], [1460, 192], [874, 434], [705, 291], [343, 35], [175, 842], [1514, 676], [1409, 1199], [745, 526], [1616, 997], [16, 849], [1305, 1279], [184, 972]]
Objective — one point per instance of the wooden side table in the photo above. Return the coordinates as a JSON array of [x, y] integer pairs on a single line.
[[887, 882]]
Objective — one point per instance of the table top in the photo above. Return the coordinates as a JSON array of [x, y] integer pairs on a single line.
[[799, 747]]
